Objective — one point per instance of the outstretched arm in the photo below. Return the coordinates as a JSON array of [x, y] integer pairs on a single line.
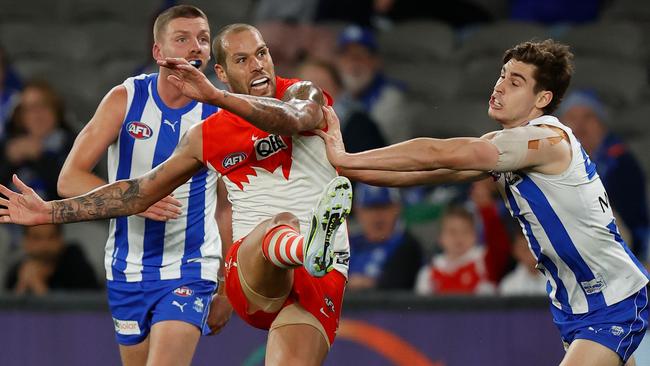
[[407, 179], [540, 148], [122, 198], [299, 110]]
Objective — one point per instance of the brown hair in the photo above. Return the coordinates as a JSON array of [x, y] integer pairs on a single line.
[[217, 44], [178, 11], [52, 98], [554, 67]]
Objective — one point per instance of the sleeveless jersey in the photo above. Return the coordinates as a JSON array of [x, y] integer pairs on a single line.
[[140, 249], [571, 230], [267, 174]]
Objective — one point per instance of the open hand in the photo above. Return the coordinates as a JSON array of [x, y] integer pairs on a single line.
[[25, 208], [333, 137], [168, 208], [189, 80]]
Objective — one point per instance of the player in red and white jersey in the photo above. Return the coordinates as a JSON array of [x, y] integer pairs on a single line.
[[276, 277]]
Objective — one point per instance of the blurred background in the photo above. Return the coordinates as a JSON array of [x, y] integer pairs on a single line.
[[438, 275]]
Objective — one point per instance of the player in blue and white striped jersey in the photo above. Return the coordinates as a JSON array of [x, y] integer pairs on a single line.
[[596, 286], [161, 266]]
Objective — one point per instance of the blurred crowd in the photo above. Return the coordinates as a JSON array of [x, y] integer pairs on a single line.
[[430, 240]]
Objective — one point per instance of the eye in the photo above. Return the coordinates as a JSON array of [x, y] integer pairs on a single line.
[[205, 40], [181, 39], [239, 60], [261, 53]]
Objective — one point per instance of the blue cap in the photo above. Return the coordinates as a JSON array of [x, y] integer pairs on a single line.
[[369, 196], [358, 35], [585, 98]]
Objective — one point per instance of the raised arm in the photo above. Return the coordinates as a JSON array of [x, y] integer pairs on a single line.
[[299, 110], [406, 179], [122, 198], [542, 148]]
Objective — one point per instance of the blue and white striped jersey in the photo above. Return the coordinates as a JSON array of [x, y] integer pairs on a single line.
[[139, 249], [571, 230]]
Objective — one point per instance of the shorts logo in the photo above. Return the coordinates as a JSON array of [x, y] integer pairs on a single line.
[[180, 306], [198, 305], [183, 291], [126, 327], [139, 130], [330, 304], [268, 146], [617, 330], [233, 159]]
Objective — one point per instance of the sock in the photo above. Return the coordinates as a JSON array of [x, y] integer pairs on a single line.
[[282, 246]]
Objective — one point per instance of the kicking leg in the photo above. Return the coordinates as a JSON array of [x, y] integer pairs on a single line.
[[172, 343], [295, 344], [135, 355]]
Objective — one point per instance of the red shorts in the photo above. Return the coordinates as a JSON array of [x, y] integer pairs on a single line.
[[322, 297]]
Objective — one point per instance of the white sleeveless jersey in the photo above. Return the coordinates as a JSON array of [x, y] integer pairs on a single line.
[[571, 230], [269, 174], [139, 249]]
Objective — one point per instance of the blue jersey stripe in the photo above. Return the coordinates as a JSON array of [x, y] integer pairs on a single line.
[[590, 167], [613, 229], [121, 249], [195, 232], [208, 110], [154, 231], [561, 293], [559, 238]]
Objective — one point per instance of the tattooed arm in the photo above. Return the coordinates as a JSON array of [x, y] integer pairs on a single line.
[[122, 198], [299, 110]]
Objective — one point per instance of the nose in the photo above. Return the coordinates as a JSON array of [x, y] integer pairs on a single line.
[[196, 46], [498, 87], [256, 64]]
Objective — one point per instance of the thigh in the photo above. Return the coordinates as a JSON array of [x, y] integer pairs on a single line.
[[135, 355], [295, 344], [186, 301], [583, 352], [172, 343]]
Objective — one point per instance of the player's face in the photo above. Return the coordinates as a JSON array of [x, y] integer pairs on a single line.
[[457, 236], [249, 66], [187, 38], [514, 101]]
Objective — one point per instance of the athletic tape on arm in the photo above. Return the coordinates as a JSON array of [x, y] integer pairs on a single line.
[[513, 145]]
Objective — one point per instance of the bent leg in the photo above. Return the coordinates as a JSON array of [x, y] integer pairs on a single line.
[[172, 343], [583, 352], [259, 273]]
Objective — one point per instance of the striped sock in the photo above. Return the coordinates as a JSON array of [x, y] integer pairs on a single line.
[[282, 246]]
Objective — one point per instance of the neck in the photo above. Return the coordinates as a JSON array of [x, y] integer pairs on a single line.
[[523, 121], [170, 95]]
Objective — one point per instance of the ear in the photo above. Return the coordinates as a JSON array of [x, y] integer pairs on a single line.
[[543, 99], [221, 73], [156, 52]]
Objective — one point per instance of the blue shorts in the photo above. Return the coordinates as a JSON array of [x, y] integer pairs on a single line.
[[619, 327], [137, 306]]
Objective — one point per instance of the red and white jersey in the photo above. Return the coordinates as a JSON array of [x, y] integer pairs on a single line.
[[268, 174]]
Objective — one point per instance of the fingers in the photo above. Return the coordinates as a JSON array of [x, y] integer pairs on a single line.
[[168, 208], [172, 201], [6, 191], [4, 202], [153, 216], [24, 188], [5, 218]]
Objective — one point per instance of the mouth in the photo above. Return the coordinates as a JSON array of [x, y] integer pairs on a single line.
[[196, 63], [260, 84], [494, 103]]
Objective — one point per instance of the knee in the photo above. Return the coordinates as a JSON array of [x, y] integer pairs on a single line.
[[285, 218]]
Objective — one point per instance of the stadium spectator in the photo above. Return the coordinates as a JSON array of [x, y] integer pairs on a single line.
[[50, 264], [525, 279], [617, 167], [365, 84], [9, 92], [386, 255], [39, 140], [462, 267], [359, 130]]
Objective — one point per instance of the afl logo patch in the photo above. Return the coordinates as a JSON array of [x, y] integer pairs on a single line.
[[183, 291], [233, 159], [139, 130]]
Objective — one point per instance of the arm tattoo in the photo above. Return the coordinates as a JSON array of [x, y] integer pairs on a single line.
[[282, 116], [117, 199]]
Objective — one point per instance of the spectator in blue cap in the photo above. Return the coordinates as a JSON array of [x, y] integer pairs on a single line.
[[366, 86], [384, 255], [617, 167]]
